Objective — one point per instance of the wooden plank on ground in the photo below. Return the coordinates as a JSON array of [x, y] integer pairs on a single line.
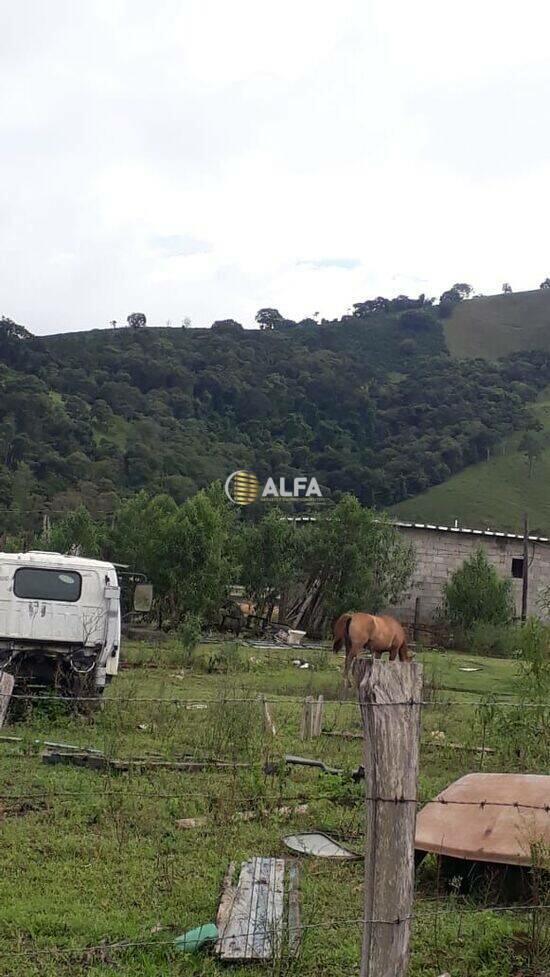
[[226, 904], [254, 927], [7, 683], [294, 919]]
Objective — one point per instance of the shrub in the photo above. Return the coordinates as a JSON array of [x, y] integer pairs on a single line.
[[189, 634], [475, 593], [227, 658], [494, 640], [521, 732], [189, 631], [534, 660]]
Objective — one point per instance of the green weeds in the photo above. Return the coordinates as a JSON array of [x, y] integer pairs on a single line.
[[93, 858]]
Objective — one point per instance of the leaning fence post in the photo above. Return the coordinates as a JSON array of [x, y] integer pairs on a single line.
[[269, 725], [389, 694]]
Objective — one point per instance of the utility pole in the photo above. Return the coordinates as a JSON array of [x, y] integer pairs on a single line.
[[525, 587]]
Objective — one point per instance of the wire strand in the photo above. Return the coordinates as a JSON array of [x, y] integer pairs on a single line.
[[255, 700], [94, 788], [334, 921]]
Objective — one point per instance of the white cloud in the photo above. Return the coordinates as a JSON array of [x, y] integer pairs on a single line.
[[205, 158]]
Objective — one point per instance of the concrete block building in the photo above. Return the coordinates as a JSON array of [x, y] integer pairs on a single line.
[[440, 550]]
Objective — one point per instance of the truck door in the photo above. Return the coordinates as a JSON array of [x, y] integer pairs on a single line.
[[44, 605]]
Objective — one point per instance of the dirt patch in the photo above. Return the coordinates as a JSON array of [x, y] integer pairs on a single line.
[[17, 809]]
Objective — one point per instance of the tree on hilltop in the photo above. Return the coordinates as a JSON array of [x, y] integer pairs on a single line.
[[457, 293], [268, 318], [136, 320], [12, 330]]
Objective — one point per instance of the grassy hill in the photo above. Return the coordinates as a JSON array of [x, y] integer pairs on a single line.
[[492, 494], [497, 325]]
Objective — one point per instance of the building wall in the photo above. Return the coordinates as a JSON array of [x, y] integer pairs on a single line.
[[440, 553]]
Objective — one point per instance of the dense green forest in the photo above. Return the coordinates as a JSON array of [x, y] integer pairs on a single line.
[[371, 404]]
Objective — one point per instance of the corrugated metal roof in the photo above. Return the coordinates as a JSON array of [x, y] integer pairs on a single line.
[[499, 534], [470, 532]]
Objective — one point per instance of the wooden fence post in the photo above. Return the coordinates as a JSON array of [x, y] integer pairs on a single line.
[[312, 718], [389, 694], [7, 682], [269, 725], [317, 722], [305, 728]]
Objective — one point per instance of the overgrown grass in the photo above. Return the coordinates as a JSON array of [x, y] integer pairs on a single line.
[[90, 857], [500, 640], [496, 325]]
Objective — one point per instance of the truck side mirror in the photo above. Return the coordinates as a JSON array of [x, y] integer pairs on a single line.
[[143, 597]]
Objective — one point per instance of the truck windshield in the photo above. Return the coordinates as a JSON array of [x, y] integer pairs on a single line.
[[39, 584]]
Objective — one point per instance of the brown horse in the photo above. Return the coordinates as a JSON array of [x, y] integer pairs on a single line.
[[376, 633]]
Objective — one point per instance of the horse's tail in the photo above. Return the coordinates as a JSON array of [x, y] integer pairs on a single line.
[[347, 638], [340, 630]]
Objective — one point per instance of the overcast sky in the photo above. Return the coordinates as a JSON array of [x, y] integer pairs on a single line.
[[205, 158]]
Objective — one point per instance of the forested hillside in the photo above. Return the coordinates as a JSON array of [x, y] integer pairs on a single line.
[[372, 404]]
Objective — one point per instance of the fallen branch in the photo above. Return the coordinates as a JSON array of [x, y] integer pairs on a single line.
[[202, 821], [98, 761], [347, 735], [342, 733], [302, 761], [55, 746], [459, 746]]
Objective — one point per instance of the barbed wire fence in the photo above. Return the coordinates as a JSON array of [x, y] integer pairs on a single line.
[[385, 788], [336, 921]]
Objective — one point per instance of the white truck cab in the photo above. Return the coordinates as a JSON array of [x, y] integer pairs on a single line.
[[59, 619]]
